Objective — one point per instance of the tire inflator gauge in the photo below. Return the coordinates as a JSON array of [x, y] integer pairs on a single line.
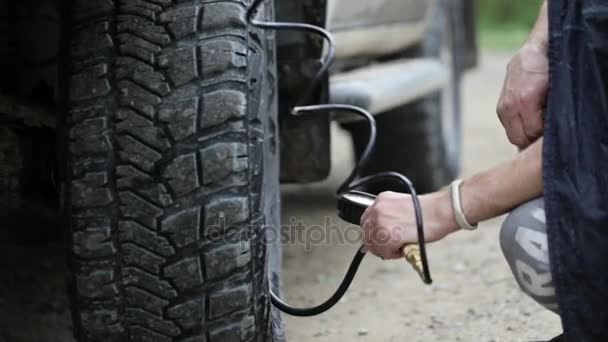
[[351, 203]]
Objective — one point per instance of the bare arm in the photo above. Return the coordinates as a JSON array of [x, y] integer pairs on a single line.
[[522, 101], [498, 190], [540, 33], [485, 195], [390, 222], [494, 192]]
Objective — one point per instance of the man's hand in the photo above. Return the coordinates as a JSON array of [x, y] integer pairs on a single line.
[[522, 102], [390, 223]]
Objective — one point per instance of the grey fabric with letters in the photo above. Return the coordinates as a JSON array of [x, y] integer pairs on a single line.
[[523, 239]]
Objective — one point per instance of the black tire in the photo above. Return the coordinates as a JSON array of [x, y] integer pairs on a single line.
[[172, 172], [422, 140]]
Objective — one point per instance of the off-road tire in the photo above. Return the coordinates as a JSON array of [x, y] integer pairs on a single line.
[[171, 171], [411, 138], [414, 148]]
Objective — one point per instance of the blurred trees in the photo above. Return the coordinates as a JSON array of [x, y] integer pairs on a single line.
[[508, 13]]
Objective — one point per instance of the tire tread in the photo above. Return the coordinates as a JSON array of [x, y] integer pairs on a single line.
[[152, 178]]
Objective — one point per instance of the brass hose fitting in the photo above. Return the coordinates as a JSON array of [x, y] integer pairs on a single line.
[[413, 257]]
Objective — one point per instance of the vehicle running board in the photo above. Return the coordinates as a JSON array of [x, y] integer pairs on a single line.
[[385, 86]]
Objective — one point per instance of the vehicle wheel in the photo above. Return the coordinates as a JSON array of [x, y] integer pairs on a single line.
[[171, 172], [422, 140]]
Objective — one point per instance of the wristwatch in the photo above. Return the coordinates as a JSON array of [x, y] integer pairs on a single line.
[[461, 220]]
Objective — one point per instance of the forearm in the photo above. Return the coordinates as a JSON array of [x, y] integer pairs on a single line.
[[490, 193], [540, 33], [495, 192]]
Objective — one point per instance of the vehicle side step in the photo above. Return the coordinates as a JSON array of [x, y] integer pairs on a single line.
[[382, 87]]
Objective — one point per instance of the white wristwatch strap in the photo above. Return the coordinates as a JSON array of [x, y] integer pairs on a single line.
[[461, 220]]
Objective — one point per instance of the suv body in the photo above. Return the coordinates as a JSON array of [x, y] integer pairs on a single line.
[[401, 58], [149, 132]]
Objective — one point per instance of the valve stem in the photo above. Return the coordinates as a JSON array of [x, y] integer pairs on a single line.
[[412, 255]]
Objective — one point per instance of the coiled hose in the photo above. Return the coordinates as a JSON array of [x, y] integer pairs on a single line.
[[351, 183]]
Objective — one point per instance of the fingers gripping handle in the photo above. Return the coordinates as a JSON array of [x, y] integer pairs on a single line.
[[351, 207]]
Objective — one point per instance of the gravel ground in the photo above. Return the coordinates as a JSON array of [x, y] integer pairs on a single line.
[[474, 297]]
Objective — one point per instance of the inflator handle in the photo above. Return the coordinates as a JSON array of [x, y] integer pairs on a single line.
[[351, 207]]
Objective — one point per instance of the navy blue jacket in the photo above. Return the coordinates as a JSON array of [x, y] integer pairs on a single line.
[[576, 165]]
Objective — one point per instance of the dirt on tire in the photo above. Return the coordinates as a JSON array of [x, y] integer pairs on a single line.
[[169, 132]]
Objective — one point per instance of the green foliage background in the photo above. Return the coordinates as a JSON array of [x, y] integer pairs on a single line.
[[504, 24]]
